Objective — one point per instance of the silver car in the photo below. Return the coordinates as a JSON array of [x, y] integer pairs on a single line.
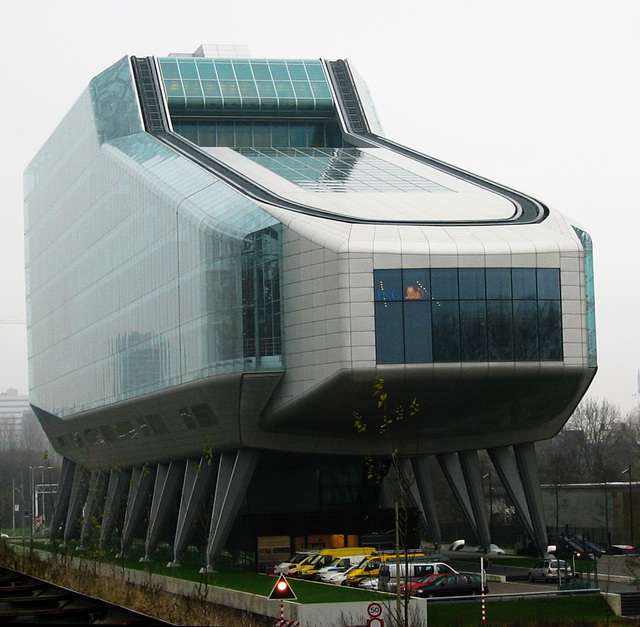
[[548, 570]]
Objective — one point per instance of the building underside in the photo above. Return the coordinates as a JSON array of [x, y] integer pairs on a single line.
[[238, 290]]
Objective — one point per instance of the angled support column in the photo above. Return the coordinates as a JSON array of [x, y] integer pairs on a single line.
[[234, 474], [93, 506], [116, 491], [139, 494], [528, 467], [198, 478], [473, 479], [81, 478], [65, 486], [518, 470], [169, 478], [463, 475], [422, 493]]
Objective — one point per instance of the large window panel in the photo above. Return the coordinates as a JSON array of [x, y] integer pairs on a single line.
[[389, 333], [446, 331], [473, 330], [525, 330], [472, 283], [469, 314], [524, 283], [500, 330], [417, 332], [550, 317], [444, 283], [498, 283]]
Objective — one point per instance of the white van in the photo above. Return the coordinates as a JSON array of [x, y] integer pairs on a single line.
[[339, 565], [285, 568]]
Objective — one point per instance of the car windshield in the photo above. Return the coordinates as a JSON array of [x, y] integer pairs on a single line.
[[555, 563]]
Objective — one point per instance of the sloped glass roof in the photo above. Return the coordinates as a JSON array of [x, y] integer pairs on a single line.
[[339, 170], [198, 84]]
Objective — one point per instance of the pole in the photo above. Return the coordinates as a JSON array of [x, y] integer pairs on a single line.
[[631, 505], [13, 511], [32, 499], [483, 579]]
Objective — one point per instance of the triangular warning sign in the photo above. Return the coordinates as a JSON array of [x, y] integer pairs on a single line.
[[282, 590]]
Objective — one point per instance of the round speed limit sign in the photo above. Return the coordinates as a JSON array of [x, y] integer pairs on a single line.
[[374, 610]]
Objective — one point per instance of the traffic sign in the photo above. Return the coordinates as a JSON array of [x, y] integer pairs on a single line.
[[374, 610], [282, 590]]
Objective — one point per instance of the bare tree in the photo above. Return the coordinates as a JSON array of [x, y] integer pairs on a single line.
[[595, 424]]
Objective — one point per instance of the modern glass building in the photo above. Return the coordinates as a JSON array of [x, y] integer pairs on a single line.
[[224, 255]]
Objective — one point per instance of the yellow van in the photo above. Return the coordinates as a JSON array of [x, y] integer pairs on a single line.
[[370, 567], [310, 566]]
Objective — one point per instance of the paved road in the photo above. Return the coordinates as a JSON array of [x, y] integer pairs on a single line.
[[613, 576]]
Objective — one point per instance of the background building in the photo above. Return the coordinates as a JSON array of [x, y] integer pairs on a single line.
[[13, 407], [226, 257]]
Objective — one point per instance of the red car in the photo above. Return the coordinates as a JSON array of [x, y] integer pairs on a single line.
[[438, 569]]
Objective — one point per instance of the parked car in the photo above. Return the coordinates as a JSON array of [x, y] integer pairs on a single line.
[[286, 568], [493, 548], [548, 570], [621, 549], [336, 578], [451, 586], [429, 572]]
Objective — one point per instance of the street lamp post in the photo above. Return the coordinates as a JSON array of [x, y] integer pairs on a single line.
[[32, 499], [490, 506], [628, 470]]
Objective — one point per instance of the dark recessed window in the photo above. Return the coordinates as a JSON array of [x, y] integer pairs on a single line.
[[468, 315]]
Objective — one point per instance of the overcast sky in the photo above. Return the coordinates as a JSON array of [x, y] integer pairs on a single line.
[[541, 96]]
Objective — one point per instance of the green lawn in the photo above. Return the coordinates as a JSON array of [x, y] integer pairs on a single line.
[[583, 610]]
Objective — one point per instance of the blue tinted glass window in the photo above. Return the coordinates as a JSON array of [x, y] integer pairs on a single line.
[[499, 330], [524, 283], [446, 331], [444, 283], [473, 330], [525, 330], [550, 318], [389, 333], [548, 283], [471, 314], [472, 283], [498, 283], [416, 284], [417, 331], [388, 285]]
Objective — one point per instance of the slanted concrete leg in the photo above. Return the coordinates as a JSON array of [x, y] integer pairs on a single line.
[[169, 478], [198, 478], [424, 495], [79, 491], [234, 474], [528, 467], [473, 479], [93, 506], [453, 473], [116, 490], [462, 472], [65, 486], [139, 494]]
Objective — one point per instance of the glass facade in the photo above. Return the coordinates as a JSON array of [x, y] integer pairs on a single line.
[[143, 270], [468, 315], [340, 170], [194, 85], [590, 290], [245, 103]]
